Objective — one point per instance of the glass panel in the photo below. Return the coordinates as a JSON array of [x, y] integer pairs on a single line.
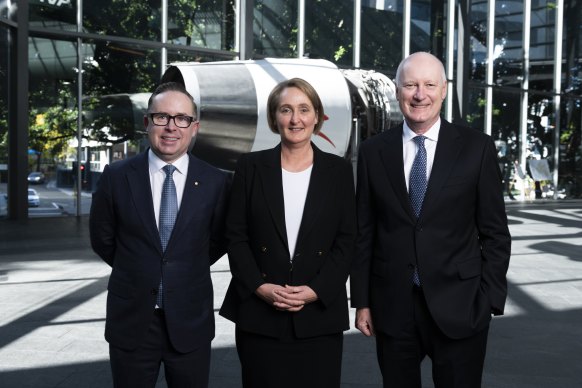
[[570, 168], [427, 27], [116, 84], [4, 9], [505, 132], [541, 54], [52, 124], [508, 41], [131, 19], [55, 14], [204, 23], [383, 20], [476, 108], [329, 30], [4, 78], [570, 173], [275, 28], [508, 49]]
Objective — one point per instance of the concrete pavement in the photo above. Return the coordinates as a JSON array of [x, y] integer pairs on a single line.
[[52, 298]]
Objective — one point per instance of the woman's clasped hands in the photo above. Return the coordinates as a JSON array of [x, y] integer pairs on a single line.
[[286, 298]]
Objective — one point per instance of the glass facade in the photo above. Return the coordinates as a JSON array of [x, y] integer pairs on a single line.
[[102, 59]]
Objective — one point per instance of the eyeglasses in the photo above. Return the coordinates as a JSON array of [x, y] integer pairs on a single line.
[[181, 121]]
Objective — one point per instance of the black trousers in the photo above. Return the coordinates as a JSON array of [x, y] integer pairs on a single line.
[[456, 363], [140, 368], [268, 362]]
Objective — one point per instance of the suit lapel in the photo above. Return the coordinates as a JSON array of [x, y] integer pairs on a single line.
[[138, 179], [447, 151], [316, 193], [269, 168], [393, 160], [193, 197]]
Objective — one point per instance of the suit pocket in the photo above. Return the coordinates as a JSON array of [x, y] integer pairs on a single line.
[[120, 289], [470, 268]]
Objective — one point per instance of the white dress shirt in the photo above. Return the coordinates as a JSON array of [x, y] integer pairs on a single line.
[[158, 175], [409, 148], [295, 185]]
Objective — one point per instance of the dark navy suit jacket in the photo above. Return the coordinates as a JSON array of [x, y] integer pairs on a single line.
[[460, 242], [124, 234]]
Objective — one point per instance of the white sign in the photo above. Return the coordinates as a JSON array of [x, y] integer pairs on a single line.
[[58, 3]]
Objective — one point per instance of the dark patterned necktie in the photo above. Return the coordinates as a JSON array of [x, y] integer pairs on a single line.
[[417, 186], [168, 212]]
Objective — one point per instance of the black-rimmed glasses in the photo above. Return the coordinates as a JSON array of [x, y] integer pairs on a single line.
[[162, 119]]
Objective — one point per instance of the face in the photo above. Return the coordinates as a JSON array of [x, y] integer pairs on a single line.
[[169, 142], [296, 117], [421, 91]]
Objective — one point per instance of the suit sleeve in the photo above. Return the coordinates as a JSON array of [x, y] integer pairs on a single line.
[[360, 272], [244, 269], [493, 231], [102, 223], [333, 275]]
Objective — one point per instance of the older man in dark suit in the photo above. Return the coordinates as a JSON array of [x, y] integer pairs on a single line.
[[157, 219], [433, 242]]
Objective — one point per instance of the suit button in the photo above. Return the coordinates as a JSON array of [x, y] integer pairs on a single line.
[[264, 275], [263, 249], [154, 291], [165, 261], [297, 254], [319, 253]]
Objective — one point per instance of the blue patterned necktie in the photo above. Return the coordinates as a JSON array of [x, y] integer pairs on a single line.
[[417, 186], [168, 212]]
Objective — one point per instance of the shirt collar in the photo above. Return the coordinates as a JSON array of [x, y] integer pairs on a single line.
[[431, 134], [156, 164]]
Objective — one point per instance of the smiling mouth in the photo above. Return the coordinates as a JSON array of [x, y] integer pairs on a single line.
[[167, 138]]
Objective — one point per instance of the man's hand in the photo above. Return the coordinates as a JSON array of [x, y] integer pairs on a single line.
[[364, 322]]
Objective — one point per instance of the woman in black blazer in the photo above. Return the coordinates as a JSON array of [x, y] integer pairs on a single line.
[[291, 227]]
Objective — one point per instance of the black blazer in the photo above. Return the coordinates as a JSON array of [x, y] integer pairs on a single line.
[[258, 250], [125, 235], [461, 242]]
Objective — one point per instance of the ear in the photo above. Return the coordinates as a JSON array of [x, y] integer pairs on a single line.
[[444, 91], [146, 121], [195, 128]]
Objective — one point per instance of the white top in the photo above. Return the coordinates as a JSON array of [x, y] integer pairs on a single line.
[[409, 148], [158, 175], [295, 185]]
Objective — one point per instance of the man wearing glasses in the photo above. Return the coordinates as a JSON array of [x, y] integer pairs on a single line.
[[157, 219]]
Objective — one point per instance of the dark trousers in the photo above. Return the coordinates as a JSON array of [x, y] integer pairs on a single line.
[[268, 362], [140, 368], [456, 363]]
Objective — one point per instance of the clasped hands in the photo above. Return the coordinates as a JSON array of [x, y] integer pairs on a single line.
[[286, 298]]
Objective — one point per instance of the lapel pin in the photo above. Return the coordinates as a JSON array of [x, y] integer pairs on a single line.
[[196, 183]]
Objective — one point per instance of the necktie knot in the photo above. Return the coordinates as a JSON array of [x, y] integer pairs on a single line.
[[169, 169], [419, 140]]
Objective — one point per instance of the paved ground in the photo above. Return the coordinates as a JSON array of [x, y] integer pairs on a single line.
[[52, 298]]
